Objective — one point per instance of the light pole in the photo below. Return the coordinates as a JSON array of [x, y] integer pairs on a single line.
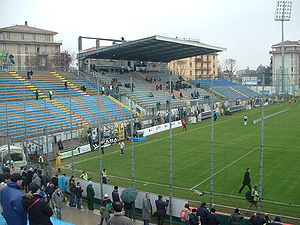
[[283, 13]]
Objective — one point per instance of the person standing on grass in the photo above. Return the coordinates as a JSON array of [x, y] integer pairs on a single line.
[[246, 181], [255, 198], [184, 125], [122, 146], [58, 162], [245, 120]]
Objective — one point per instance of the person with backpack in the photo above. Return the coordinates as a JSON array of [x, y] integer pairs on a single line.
[[194, 219], [212, 218], [236, 218], [104, 212], [254, 198], [185, 213]]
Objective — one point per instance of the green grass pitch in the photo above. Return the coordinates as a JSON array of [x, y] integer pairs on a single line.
[[236, 148]]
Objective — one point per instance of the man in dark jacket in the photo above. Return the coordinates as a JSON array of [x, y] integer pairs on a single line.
[[202, 211], [54, 180], [257, 219], [246, 181], [11, 201], [276, 221], [78, 194], [212, 218], [115, 194], [38, 210], [161, 209], [236, 218], [90, 194]]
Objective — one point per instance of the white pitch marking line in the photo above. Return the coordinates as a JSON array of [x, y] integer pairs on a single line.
[[159, 139], [225, 167]]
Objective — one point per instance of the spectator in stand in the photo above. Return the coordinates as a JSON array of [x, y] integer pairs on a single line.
[[54, 180], [257, 219], [115, 194], [66, 85], [119, 217], [57, 200], [236, 218], [26, 181], [78, 193], [11, 201], [213, 219], [128, 207], [63, 183], [104, 212], [185, 214], [72, 189], [36, 95], [50, 92], [49, 191], [90, 194], [45, 179], [38, 210], [147, 209], [202, 211], [161, 209], [276, 221], [58, 162], [194, 219], [36, 180]]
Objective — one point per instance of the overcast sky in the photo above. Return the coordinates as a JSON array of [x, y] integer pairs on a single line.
[[245, 27]]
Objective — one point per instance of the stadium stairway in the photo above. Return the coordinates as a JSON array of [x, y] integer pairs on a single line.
[[238, 91]]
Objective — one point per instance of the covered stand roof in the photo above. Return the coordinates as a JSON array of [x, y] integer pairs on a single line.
[[152, 49]]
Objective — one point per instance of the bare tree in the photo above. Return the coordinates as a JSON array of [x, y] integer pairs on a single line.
[[229, 67], [61, 60]]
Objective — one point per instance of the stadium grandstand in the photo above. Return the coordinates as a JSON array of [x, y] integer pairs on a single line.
[[125, 93]]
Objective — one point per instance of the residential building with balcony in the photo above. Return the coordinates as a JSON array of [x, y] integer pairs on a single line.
[[32, 48], [195, 68]]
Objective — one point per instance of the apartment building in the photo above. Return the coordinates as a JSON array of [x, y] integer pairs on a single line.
[[31, 47]]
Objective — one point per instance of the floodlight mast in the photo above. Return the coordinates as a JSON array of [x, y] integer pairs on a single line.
[[283, 13]]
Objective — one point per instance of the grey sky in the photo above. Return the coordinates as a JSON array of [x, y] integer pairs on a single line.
[[245, 27]]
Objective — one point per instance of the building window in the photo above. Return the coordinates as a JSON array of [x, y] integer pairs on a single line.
[[191, 73], [34, 37], [19, 60], [38, 49], [8, 35], [190, 64], [3, 36], [47, 37], [22, 37], [4, 47], [26, 48], [18, 48]]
